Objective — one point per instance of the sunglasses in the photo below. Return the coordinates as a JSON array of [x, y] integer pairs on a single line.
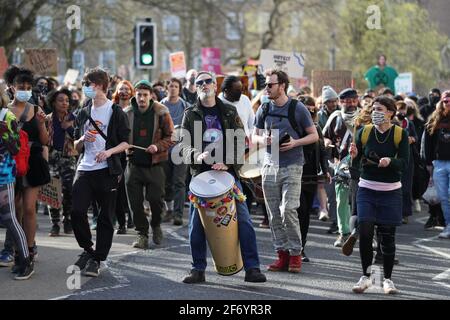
[[86, 83], [200, 83], [446, 101], [270, 85]]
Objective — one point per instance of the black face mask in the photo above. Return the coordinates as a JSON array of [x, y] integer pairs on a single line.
[[43, 89], [75, 104], [234, 96], [401, 116], [192, 81], [434, 100]]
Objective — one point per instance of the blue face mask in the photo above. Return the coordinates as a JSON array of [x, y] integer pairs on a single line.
[[23, 96], [265, 99], [89, 92]]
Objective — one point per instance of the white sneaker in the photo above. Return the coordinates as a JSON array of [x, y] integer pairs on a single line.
[[388, 287], [339, 241], [363, 284], [323, 216], [417, 205]]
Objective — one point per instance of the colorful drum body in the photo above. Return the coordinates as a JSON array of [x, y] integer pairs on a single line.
[[213, 195]]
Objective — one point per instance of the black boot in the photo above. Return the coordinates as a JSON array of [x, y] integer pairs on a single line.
[[196, 276]]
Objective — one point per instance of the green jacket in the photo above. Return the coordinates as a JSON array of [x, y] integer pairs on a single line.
[[230, 121]]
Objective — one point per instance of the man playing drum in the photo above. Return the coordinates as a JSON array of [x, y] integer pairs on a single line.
[[211, 119]]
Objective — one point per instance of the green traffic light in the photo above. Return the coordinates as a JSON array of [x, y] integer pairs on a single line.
[[147, 58]]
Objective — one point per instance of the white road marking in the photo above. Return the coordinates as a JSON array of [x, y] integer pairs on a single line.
[[121, 279]]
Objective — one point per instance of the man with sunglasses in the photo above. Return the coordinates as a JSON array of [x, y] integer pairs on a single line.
[[338, 132], [283, 167], [214, 120], [101, 135]]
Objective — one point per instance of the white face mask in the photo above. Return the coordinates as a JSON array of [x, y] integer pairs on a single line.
[[89, 92], [23, 96], [378, 118]]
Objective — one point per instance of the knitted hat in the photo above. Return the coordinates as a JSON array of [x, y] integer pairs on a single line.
[[143, 83], [328, 94]]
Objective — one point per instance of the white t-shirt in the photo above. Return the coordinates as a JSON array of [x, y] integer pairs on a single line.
[[245, 111], [101, 115]]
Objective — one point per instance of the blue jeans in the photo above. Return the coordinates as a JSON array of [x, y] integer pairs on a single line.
[[441, 178], [247, 237]]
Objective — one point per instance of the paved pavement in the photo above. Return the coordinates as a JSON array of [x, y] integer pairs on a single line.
[[156, 274]]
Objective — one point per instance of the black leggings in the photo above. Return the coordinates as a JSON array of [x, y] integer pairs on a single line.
[[387, 244], [9, 220], [306, 203]]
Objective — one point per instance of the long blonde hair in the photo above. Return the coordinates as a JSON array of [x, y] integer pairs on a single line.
[[436, 117]]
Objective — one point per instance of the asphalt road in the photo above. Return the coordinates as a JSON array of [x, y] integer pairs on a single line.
[[156, 274]]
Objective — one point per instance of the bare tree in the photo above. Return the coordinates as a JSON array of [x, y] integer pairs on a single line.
[[16, 18]]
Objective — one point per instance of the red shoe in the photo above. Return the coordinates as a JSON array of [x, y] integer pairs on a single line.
[[282, 263], [295, 264]]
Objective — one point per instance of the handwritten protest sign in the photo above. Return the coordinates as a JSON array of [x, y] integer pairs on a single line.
[[293, 63], [42, 61], [338, 80]]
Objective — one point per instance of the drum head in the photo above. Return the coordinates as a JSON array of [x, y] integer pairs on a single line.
[[253, 163], [211, 184]]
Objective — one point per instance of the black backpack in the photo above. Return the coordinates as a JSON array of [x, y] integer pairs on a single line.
[[291, 115]]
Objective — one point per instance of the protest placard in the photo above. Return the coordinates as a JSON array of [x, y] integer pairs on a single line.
[[42, 61], [404, 83], [178, 65], [338, 80], [293, 63], [51, 193], [211, 60], [71, 76]]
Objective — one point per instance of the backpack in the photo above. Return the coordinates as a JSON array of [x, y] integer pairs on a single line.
[[290, 116], [23, 156], [368, 129]]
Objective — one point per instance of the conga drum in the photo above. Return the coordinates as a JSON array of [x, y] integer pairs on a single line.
[[214, 194]]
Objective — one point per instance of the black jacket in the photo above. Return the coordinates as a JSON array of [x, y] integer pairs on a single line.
[[118, 132], [436, 146]]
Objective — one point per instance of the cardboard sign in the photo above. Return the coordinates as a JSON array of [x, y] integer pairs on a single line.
[[404, 83], [211, 60], [42, 61], [51, 193], [293, 63], [71, 76], [3, 61], [338, 80], [178, 65]]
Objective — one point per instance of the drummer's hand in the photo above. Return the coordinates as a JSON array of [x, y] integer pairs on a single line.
[[267, 139], [220, 167], [152, 149], [203, 156]]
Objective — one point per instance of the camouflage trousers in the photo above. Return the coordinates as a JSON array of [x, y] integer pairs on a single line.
[[64, 169]]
